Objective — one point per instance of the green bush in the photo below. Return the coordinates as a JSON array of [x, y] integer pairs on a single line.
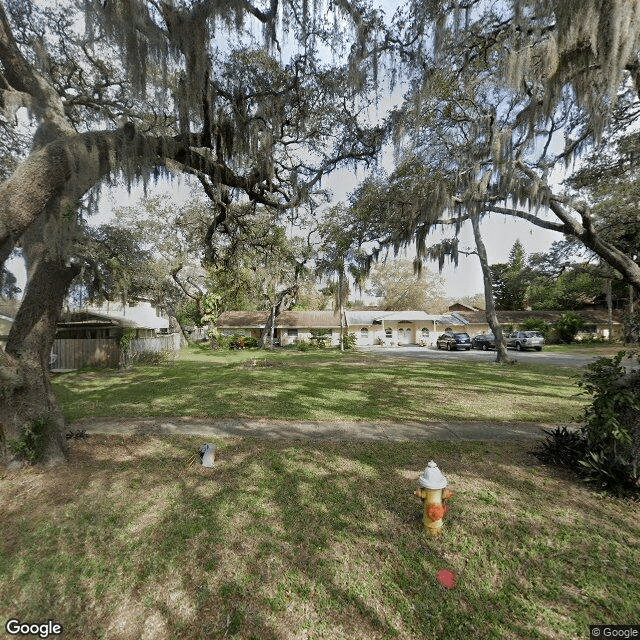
[[236, 342], [536, 324], [349, 341], [319, 337], [303, 345], [31, 444], [606, 449], [251, 343], [152, 357], [567, 325]]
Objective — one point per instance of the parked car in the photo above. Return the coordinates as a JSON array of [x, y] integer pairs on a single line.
[[521, 340], [483, 341], [454, 341]]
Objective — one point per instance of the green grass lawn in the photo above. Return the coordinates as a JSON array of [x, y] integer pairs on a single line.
[[133, 539], [322, 386]]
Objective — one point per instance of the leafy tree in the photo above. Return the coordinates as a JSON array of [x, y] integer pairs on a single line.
[[400, 288], [9, 288], [152, 86], [339, 258], [510, 280], [488, 104]]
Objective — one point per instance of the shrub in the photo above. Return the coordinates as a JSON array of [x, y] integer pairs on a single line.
[[562, 448], [31, 444], [606, 449], [349, 341], [251, 343], [236, 342], [567, 325], [303, 345], [319, 337], [612, 420], [536, 324], [152, 357]]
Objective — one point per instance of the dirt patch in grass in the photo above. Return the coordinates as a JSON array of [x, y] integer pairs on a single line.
[[282, 540]]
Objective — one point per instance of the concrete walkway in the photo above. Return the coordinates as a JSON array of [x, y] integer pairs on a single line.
[[331, 431]]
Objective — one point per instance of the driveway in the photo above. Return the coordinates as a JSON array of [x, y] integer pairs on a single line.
[[431, 353]]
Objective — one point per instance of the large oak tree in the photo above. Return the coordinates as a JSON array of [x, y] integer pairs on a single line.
[[133, 87]]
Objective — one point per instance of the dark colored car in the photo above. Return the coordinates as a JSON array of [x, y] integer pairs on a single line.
[[521, 340], [483, 341], [454, 341]]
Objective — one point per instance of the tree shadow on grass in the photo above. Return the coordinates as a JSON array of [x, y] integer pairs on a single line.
[[134, 539]]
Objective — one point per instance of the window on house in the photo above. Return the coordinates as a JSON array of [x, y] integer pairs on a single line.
[[425, 332], [292, 333], [364, 332], [388, 333]]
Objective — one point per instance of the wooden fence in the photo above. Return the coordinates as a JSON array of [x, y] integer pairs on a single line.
[[73, 353], [170, 342]]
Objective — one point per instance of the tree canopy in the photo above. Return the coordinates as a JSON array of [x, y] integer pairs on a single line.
[[505, 97], [399, 288], [257, 101], [138, 89]]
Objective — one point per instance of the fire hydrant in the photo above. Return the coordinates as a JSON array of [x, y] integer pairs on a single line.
[[433, 491]]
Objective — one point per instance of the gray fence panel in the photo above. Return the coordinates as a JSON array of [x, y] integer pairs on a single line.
[[69, 353]]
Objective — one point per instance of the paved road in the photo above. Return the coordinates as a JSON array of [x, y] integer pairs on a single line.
[[431, 353]]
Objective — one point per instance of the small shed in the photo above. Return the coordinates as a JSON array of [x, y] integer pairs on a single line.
[[91, 336]]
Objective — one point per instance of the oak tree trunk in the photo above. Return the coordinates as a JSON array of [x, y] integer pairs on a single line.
[[26, 392], [490, 308]]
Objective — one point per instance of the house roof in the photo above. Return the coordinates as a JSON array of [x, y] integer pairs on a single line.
[[590, 316], [369, 317], [139, 316], [459, 306], [310, 319], [242, 319], [287, 319]]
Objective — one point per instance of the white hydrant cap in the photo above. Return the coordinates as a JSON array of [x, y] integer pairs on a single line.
[[432, 477]]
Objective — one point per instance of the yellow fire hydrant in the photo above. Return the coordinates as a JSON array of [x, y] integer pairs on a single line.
[[433, 491]]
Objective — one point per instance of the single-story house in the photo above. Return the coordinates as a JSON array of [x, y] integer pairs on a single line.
[[108, 321], [395, 328], [370, 327], [290, 326], [399, 327]]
